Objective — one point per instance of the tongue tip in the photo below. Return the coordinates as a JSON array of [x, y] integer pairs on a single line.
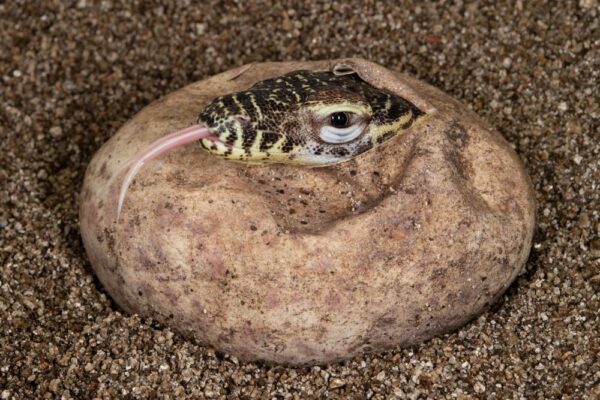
[[164, 144]]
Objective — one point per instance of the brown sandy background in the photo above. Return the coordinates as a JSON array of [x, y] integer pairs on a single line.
[[72, 72]]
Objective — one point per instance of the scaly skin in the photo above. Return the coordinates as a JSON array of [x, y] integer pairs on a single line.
[[279, 120]]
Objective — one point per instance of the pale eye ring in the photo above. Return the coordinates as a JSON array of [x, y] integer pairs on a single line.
[[342, 127]]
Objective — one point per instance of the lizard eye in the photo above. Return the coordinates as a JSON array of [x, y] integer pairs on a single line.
[[339, 119], [342, 127]]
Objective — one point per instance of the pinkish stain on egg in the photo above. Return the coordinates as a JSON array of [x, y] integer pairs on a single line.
[[321, 264], [334, 300], [171, 294], [216, 265], [272, 299]]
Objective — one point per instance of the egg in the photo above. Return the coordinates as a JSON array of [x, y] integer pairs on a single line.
[[295, 265]]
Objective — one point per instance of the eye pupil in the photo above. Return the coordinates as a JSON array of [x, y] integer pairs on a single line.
[[339, 120]]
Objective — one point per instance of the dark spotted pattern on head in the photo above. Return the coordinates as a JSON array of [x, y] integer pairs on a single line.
[[279, 120]]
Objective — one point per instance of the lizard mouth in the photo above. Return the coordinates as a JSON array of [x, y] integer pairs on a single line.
[[159, 147], [215, 145]]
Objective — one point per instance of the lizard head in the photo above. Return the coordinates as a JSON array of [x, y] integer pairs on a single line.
[[306, 118]]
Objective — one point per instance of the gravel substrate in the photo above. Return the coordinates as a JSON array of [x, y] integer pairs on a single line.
[[72, 72]]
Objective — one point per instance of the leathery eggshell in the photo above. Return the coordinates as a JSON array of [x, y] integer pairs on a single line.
[[302, 265]]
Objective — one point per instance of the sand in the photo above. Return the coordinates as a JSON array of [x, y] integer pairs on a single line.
[[72, 72]]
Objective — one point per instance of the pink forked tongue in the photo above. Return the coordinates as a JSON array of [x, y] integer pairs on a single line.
[[162, 145]]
